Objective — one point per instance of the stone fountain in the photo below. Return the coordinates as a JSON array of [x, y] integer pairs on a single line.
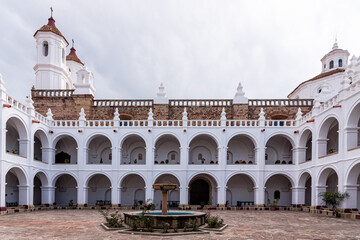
[[176, 219]]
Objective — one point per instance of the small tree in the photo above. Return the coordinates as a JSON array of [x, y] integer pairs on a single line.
[[334, 199]]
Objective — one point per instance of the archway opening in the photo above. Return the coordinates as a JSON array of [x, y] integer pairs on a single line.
[[99, 150], [133, 150], [240, 191], [353, 129], [279, 150], [99, 190], [173, 196], [66, 150], [203, 150], [353, 183], [328, 142], [241, 150], [16, 189], [65, 190], [305, 144], [40, 142], [133, 190], [202, 190], [167, 150], [16, 137], [37, 191], [278, 186]]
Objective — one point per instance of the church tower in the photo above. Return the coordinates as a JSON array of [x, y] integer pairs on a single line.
[[50, 69]]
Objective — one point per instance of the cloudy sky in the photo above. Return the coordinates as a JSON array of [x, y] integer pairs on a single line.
[[198, 49]]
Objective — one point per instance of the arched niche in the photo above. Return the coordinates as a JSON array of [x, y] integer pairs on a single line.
[[16, 137], [133, 150], [167, 150], [203, 150], [133, 190], [279, 150], [99, 150], [241, 150]]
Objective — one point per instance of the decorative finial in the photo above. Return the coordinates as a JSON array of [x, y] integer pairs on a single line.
[[150, 115], [184, 115], [116, 115], [223, 114], [298, 114], [72, 40], [335, 45], [161, 97], [261, 114], [82, 115], [49, 115], [240, 96], [51, 11]]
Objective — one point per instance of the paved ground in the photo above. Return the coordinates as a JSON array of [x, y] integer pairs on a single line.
[[84, 224]]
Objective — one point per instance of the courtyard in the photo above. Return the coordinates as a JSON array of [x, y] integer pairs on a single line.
[[85, 224]]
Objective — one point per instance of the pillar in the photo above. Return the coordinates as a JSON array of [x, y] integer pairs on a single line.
[[350, 202], [259, 196], [2, 189], [48, 154], [298, 195], [184, 157], [149, 158], [299, 155], [24, 194], [351, 136], [47, 195], [114, 196], [318, 191], [222, 156], [82, 195], [221, 196], [23, 144], [164, 202], [322, 147], [184, 196]]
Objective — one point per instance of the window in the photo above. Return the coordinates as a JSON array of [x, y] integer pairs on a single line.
[[319, 91], [140, 157], [63, 55], [340, 62], [200, 156], [324, 65], [277, 194], [331, 64], [45, 48], [172, 156]]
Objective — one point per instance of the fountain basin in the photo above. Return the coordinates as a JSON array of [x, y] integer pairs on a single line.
[[176, 219]]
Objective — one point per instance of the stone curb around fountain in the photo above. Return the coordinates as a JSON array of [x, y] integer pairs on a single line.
[[214, 229], [111, 229], [129, 232]]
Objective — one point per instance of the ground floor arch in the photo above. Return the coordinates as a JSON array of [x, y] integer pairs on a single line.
[[99, 190], [279, 187], [132, 190], [173, 196], [305, 189], [240, 190], [16, 190], [202, 190], [65, 190], [352, 187]]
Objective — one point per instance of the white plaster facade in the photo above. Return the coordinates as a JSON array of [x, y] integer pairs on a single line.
[[252, 161]]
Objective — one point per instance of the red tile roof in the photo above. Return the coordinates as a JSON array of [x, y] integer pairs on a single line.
[[50, 27], [73, 57], [321, 75]]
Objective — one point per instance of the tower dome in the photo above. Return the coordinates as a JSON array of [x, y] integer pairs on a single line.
[[50, 27], [73, 57], [336, 59]]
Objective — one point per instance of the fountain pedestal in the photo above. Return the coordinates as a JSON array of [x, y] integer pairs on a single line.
[[164, 187]]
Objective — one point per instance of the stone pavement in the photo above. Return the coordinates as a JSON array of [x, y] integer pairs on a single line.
[[84, 224]]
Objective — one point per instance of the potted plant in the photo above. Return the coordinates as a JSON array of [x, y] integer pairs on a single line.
[[331, 150], [135, 161], [15, 151], [273, 204], [101, 161], [167, 161], [277, 162], [67, 160], [334, 199], [101, 203], [202, 160], [71, 203]]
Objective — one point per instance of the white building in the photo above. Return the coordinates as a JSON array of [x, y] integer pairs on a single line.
[[63, 145]]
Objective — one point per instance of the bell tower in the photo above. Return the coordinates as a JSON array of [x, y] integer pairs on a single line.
[[51, 71]]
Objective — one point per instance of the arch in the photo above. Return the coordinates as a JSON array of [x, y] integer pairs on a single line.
[[92, 174], [162, 134], [328, 140], [59, 174], [353, 181], [132, 147], [204, 145], [279, 149], [305, 144], [242, 148], [305, 182], [175, 175], [213, 136], [289, 177], [331, 64], [248, 174], [202, 189], [282, 183], [15, 178], [130, 134], [340, 63], [99, 149], [352, 127], [325, 173], [65, 189], [66, 146], [167, 149], [20, 173], [173, 196], [132, 189], [44, 178], [241, 186], [40, 141], [98, 186], [16, 136]]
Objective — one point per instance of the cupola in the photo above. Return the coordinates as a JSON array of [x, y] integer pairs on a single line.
[[336, 59]]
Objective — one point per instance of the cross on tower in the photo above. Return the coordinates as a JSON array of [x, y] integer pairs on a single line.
[[51, 11], [72, 40]]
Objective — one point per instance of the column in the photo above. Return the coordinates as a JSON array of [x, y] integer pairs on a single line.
[[299, 154], [82, 195], [298, 196], [222, 156], [321, 147], [221, 195], [23, 144], [149, 193], [149, 157], [259, 196], [48, 155], [350, 202], [47, 195], [184, 197], [351, 136], [318, 200], [119, 191], [24, 194], [114, 196], [2, 190], [184, 157]]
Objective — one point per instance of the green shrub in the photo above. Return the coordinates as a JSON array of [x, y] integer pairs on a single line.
[[214, 221]]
